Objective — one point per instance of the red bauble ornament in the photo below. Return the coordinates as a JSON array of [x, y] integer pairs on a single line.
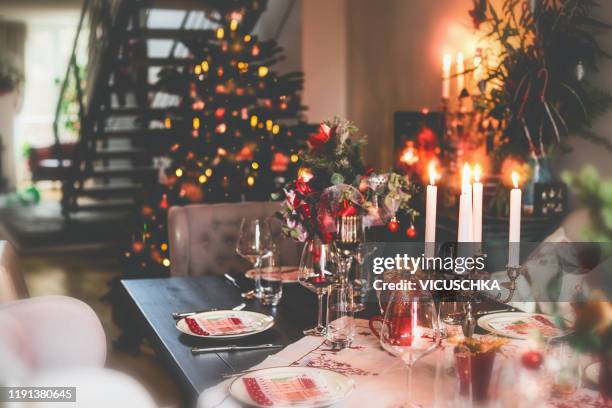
[[163, 204], [137, 246], [219, 113], [393, 225], [411, 232], [280, 162], [532, 359]]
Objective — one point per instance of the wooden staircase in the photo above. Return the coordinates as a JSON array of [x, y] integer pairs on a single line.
[[121, 111]]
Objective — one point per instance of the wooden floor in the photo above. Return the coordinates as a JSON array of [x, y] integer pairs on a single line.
[[85, 275]]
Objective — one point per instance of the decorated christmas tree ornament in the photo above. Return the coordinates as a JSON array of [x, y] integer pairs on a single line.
[[411, 231], [393, 225]]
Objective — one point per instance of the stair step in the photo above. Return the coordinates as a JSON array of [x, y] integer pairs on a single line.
[[128, 172], [158, 62], [139, 133], [109, 191], [173, 34], [154, 87], [99, 206], [180, 5], [138, 111], [120, 153]]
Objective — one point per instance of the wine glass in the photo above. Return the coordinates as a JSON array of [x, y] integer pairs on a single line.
[[254, 243], [410, 327], [316, 274]]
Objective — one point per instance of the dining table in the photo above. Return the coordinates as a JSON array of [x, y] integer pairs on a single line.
[[149, 305]]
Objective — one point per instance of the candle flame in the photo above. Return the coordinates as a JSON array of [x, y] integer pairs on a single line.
[[446, 62], [515, 179], [467, 174], [433, 174], [477, 173]]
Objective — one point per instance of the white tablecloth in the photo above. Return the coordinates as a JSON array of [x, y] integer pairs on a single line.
[[381, 379]]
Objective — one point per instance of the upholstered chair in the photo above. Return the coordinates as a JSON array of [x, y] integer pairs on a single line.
[[12, 284], [203, 237]]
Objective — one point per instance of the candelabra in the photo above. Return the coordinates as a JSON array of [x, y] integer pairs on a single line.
[[469, 323]]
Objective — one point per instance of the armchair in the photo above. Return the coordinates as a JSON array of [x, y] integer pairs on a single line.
[[203, 237]]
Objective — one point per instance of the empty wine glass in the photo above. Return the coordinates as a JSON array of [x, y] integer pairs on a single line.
[[410, 327], [316, 274], [255, 242]]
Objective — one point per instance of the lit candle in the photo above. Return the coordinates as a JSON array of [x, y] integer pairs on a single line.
[[430, 214], [446, 68], [460, 73], [477, 189], [515, 222], [465, 228]]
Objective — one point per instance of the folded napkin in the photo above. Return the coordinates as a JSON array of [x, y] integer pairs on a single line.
[[216, 326]]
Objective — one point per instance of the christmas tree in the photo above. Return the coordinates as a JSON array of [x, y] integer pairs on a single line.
[[238, 129]]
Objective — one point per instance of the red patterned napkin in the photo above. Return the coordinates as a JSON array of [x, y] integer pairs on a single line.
[[216, 326], [286, 390]]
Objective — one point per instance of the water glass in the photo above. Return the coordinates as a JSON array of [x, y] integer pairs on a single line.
[[270, 282], [340, 316], [451, 313], [564, 369]]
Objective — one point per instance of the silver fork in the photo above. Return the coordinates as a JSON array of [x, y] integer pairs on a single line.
[[178, 316]]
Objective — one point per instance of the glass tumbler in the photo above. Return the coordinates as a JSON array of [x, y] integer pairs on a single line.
[[340, 316]]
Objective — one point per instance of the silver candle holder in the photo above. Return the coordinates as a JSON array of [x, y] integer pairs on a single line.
[[469, 323]]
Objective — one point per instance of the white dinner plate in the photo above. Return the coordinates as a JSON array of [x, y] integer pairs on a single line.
[[289, 273], [325, 387], [253, 323], [520, 325], [591, 372]]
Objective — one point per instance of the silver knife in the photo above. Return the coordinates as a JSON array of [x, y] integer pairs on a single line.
[[231, 279], [233, 348], [178, 316]]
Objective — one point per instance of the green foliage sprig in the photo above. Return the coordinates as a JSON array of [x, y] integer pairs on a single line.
[[543, 92]]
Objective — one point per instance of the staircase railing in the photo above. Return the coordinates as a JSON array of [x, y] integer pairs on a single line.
[[101, 28]]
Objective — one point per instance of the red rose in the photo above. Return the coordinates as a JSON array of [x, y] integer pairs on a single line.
[[317, 140]]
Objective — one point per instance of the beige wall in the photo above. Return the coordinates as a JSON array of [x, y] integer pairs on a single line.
[[395, 50], [324, 57]]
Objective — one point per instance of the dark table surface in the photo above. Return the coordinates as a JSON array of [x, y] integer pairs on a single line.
[[152, 301]]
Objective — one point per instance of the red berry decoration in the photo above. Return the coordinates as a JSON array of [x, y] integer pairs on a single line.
[[532, 359], [411, 232], [393, 225]]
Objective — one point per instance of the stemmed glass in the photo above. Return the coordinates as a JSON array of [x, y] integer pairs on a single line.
[[316, 274], [410, 327], [254, 243]]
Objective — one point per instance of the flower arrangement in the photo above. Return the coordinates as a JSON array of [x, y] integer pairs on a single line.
[[333, 162]]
